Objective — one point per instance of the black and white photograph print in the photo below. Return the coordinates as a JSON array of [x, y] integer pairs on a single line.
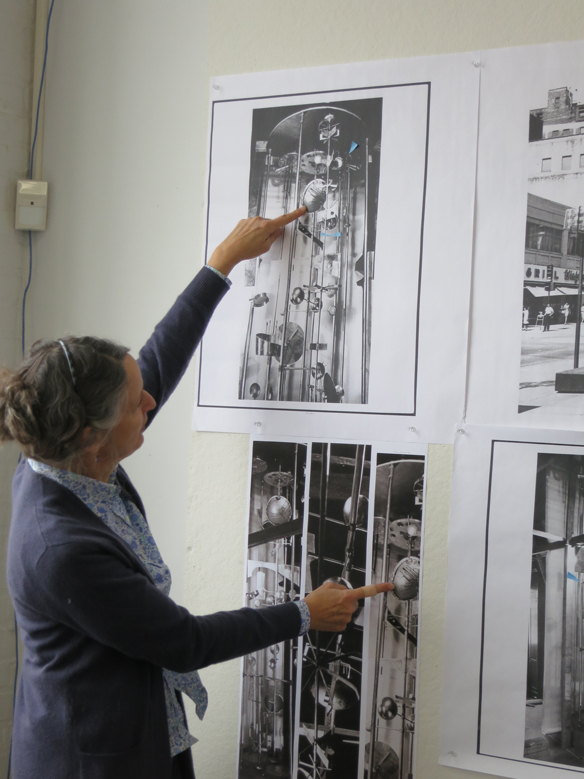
[[329, 729], [513, 684], [333, 704], [390, 705], [552, 356], [273, 575], [308, 333], [554, 714], [328, 318]]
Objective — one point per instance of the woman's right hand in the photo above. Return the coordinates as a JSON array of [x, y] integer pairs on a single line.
[[250, 238], [331, 605]]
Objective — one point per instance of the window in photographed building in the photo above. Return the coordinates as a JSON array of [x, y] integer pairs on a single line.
[[555, 133], [546, 164], [543, 238], [581, 130], [566, 131], [582, 160], [567, 162]]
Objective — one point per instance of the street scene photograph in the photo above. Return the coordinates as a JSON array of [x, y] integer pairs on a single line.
[[551, 376]]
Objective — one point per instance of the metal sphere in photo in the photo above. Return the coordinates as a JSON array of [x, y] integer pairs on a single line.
[[362, 507], [406, 578], [278, 510], [273, 703], [314, 195], [405, 534], [385, 761], [258, 465], [297, 296], [318, 371], [339, 580], [292, 346], [387, 709]]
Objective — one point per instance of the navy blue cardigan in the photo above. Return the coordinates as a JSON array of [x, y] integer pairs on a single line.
[[96, 631]]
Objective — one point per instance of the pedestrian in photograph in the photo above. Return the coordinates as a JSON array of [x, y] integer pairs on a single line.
[[566, 312], [547, 317], [525, 319]]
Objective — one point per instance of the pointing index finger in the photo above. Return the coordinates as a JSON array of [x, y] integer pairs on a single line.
[[372, 589], [285, 219]]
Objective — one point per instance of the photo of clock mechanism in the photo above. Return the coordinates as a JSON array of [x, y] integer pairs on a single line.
[[330, 698], [273, 576], [399, 495], [308, 333]]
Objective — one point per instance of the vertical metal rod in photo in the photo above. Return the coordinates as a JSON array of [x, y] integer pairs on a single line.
[[355, 494], [319, 299], [289, 275], [579, 646], [307, 354], [345, 266], [405, 698], [341, 206], [243, 379], [576, 690], [265, 182], [365, 323], [291, 644], [564, 713], [380, 626], [580, 251], [277, 302]]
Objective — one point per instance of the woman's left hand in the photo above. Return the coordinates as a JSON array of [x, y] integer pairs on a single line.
[[250, 238]]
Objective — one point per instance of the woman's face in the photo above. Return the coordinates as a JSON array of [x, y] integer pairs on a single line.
[[127, 435]]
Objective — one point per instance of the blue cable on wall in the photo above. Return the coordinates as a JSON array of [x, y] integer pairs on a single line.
[[33, 145]]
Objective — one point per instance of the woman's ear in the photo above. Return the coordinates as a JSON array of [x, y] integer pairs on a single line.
[[91, 440]]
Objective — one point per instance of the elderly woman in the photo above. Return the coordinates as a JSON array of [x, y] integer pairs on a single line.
[[107, 653]]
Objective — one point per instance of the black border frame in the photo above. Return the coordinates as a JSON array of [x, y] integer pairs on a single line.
[[310, 407], [542, 763]]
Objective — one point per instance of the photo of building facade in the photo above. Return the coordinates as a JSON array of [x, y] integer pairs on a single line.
[[552, 297]]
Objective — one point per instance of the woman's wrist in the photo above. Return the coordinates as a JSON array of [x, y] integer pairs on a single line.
[[222, 261]]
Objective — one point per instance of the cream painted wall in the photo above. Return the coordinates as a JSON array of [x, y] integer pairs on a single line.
[[16, 46], [125, 149], [124, 138]]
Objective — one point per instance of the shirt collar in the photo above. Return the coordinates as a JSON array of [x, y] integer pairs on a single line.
[[79, 485]]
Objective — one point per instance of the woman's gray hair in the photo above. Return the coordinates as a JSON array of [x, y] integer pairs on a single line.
[[60, 389]]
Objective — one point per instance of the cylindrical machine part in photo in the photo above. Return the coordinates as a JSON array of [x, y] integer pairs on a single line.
[[309, 340]]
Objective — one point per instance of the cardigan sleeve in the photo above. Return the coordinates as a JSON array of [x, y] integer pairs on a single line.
[[96, 591], [166, 355]]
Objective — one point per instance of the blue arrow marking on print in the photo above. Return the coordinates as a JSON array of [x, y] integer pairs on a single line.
[[353, 147], [572, 577]]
